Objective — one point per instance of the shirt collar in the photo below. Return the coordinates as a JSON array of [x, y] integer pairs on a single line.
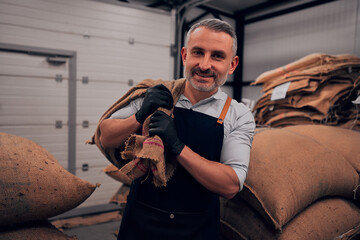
[[216, 96]]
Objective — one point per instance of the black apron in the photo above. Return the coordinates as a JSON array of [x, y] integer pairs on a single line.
[[184, 209]]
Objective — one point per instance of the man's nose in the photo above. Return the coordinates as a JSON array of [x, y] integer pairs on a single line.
[[205, 63]]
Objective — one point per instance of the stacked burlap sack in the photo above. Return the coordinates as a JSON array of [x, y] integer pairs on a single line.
[[33, 188], [303, 183], [321, 91]]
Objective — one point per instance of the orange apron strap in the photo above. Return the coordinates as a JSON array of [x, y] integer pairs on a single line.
[[224, 111]]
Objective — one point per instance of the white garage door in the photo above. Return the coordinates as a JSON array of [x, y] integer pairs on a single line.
[[114, 45], [34, 101]]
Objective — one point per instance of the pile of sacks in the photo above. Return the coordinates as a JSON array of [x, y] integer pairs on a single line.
[[33, 188], [318, 88], [303, 183]]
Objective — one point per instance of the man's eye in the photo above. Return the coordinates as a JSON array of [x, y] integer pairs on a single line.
[[197, 53], [218, 56]]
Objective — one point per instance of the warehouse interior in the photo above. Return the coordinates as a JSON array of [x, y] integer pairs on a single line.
[[64, 63]]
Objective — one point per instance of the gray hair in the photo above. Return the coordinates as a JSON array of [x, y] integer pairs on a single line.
[[217, 26]]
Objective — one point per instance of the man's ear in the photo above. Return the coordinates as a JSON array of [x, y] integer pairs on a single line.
[[233, 64], [183, 55]]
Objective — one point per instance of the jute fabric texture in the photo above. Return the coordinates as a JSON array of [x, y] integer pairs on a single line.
[[322, 88], [141, 154]]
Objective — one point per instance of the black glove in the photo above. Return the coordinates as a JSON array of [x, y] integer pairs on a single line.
[[163, 126], [157, 96]]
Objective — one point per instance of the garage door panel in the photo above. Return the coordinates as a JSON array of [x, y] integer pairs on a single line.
[[106, 190], [113, 45]]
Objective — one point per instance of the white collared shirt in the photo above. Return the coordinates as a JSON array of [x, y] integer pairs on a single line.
[[239, 127]]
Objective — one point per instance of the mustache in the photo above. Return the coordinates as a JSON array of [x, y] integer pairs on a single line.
[[207, 72]]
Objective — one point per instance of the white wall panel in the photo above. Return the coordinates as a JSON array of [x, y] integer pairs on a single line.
[[97, 56], [92, 98], [57, 16], [357, 37], [101, 36], [328, 28], [31, 101]]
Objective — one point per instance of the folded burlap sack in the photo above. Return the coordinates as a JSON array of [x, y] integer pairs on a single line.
[[311, 64], [332, 218], [319, 87], [33, 185], [134, 158], [289, 171]]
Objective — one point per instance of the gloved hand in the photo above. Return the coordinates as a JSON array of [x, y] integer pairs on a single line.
[[163, 126], [157, 96]]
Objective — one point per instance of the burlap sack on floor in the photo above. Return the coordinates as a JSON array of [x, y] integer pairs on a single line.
[[323, 220], [35, 231], [288, 172], [33, 185]]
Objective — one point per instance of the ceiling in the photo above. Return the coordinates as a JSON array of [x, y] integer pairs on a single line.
[[230, 7]]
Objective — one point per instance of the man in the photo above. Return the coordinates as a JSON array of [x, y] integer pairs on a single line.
[[212, 155]]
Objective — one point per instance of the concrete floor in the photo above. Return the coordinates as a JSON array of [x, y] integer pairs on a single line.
[[102, 231]]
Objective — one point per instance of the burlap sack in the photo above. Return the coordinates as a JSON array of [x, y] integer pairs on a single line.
[[344, 141], [33, 185], [311, 64], [318, 97], [307, 61], [115, 173], [322, 74], [323, 220], [289, 118], [288, 172], [35, 231]]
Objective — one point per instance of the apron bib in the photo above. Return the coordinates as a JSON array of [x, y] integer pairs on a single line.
[[184, 209]]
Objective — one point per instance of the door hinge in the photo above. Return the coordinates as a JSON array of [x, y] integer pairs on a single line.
[[85, 80], [85, 124], [58, 78], [58, 124]]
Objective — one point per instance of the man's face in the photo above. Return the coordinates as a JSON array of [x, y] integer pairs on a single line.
[[208, 59]]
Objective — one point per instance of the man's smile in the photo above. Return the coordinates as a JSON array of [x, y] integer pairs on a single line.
[[204, 74]]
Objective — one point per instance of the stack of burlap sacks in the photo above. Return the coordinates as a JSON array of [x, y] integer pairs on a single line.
[[33, 188], [303, 183], [322, 88], [303, 178]]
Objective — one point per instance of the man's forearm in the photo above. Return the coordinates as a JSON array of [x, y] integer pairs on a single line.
[[114, 132], [214, 176]]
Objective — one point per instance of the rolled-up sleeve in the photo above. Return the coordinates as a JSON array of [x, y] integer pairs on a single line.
[[129, 110], [237, 144]]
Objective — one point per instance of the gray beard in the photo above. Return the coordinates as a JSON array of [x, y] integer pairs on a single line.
[[218, 82]]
